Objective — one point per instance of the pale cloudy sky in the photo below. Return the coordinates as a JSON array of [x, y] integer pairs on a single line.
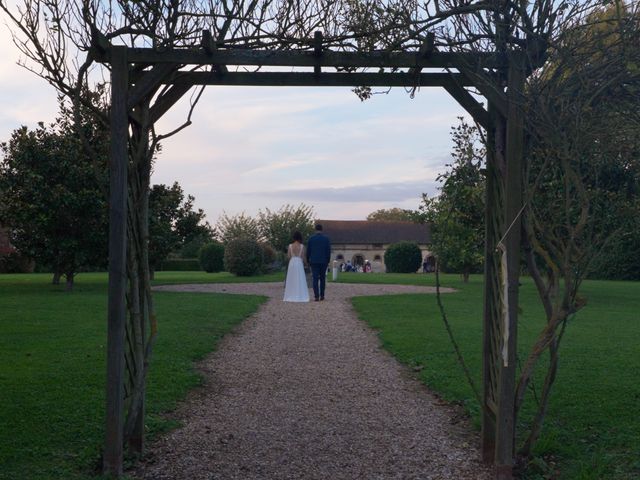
[[251, 148]]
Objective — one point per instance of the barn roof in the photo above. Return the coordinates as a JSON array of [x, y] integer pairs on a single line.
[[363, 231]]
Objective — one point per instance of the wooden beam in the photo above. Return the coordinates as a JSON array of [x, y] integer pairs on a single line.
[[210, 47], [167, 100], [427, 47], [317, 51], [492, 206], [330, 58], [456, 87], [149, 81], [466, 101], [488, 88], [309, 79], [113, 450], [425, 50]]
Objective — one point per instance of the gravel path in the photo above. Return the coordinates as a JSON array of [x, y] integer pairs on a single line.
[[304, 391]]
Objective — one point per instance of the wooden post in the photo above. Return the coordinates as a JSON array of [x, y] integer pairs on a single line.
[[488, 431], [505, 425], [113, 450], [317, 50]]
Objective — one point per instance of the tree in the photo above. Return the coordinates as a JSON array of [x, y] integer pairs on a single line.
[[276, 227], [173, 223], [53, 196], [237, 226], [403, 257], [582, 175], [193, 230], [456, 216], [243, 256], [211, 257], [394, 215]]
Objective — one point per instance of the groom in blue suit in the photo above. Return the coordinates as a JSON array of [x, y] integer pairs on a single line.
[[318, 256]]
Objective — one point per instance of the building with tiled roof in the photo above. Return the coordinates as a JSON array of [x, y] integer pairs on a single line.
[[360, 240]]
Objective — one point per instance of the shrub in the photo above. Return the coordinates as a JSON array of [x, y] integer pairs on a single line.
[[403, 257], [268, 257], [243, 257], [16, 263], [191, 249], [211, 257]]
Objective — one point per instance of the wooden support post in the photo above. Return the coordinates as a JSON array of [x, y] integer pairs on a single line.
[[210, 47], [505, 425], [113, 450], [317, 50], [488, 431]]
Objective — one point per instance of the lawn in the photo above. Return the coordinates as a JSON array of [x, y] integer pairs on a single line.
[[52, 365], [593, 427], [52, 368], [170, 278]]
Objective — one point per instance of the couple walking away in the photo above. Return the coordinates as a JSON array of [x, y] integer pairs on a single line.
[[317, 254]]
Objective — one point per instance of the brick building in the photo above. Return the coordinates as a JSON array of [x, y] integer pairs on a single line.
[[361, 240]]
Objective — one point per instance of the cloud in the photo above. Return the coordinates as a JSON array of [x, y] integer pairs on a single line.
[[381, 192], [273, 166]]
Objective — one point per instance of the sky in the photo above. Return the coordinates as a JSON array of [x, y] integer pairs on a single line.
[[253, 148]]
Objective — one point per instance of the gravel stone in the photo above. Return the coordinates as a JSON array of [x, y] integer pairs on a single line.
[[305, 391]]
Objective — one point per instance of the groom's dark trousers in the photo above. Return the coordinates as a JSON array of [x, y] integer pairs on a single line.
[[318, 256], [318, 278]]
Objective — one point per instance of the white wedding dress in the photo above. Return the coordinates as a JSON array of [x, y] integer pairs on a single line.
[[296, 289]]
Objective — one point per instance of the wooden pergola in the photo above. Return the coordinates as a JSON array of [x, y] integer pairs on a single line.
[[138, 73]]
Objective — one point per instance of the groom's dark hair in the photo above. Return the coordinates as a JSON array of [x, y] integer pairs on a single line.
[[318, 227]]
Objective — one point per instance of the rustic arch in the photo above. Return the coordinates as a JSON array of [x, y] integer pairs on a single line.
[[137, 73]]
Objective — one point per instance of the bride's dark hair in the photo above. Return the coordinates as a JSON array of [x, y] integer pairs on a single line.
[[297, 236]]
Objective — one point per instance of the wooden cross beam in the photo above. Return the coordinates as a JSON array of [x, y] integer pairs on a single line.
[[328, 58], [311, 79]]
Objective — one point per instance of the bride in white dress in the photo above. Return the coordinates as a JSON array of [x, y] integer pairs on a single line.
[[296, 289]]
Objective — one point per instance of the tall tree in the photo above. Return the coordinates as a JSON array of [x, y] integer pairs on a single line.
[[456, 215], [193, 229], [53, 195], [232, 227], [583, 173], [394, 215], [277, 227], [173, 223]]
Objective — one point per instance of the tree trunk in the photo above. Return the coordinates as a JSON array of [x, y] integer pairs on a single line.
[[69, 277], [536, 426], [56, 278], [465, 276]]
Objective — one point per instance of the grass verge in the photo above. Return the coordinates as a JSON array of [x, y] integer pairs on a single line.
[[592, 430], [52, 368]]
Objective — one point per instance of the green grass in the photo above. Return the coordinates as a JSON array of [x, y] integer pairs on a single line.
[[592, 430], [389, 278], [52, 367], [170, 278]]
